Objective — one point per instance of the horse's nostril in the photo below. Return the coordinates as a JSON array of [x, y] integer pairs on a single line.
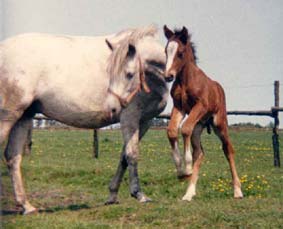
[[113, 110]]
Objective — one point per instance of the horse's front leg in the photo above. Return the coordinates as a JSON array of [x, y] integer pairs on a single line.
[[116, 180], [131, 138], [132, 131]]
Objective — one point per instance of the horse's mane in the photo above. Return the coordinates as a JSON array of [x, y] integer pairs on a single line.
[[192, 44], [117, 59]]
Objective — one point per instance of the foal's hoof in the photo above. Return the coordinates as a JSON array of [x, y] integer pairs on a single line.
[[239, 197], [187, 198], [184, 177], [238, 193], [142, 198]]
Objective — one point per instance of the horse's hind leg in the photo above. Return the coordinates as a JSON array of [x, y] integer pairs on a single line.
[[197, 159], [13, 154], [7, 121], [220, 127], [28, 144]]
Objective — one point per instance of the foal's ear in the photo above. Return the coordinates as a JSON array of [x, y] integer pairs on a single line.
[[110, 46], [184, 35], [167, 32], [131, 51]]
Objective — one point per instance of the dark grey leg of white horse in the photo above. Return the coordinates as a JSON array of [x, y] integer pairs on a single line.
[[28, 144], [126, 161], [133, 167], [116, 180], [13, 154]]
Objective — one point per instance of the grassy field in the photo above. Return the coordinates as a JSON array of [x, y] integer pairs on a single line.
[[63, 179]]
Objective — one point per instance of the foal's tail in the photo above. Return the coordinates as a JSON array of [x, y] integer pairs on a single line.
[[208, 125]]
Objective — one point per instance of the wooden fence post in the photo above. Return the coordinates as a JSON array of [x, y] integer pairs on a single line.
[[275, 138], [95, 143]]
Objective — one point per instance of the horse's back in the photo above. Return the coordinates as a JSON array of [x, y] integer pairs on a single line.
[[54, 68], [46, 48], [33, 59]]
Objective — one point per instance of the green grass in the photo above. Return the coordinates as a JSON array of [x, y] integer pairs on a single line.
[[62, 178]]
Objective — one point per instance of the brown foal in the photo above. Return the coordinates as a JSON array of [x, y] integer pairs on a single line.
[[203, 100]]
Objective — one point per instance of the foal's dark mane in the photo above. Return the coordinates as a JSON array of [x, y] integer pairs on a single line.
[[178, 33]]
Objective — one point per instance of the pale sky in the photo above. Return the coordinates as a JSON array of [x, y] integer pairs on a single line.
[[238, 41]]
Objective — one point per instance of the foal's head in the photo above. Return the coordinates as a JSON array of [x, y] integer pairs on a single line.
[[179, 51]]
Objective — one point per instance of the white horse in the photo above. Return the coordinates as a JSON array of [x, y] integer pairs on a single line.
[[87, 82]]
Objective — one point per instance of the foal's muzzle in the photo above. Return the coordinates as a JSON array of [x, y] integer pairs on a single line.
[[170, 75], [169, 78]]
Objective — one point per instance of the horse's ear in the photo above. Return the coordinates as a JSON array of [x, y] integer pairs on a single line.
[[131, 51], [184, 35], [167, 32], [110, 46]]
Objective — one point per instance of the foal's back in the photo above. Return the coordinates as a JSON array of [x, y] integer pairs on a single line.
[[201, 88]]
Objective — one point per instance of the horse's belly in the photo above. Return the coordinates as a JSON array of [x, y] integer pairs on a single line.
[[75, 114]]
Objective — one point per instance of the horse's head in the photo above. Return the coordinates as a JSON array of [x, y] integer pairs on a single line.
[[126, 72], [179, 50]]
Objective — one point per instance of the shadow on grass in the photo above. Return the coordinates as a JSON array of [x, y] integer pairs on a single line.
[[72, 207]]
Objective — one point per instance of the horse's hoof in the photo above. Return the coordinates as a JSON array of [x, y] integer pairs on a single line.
[[142, 198], [30, 211], [112, 199], [111, 202]]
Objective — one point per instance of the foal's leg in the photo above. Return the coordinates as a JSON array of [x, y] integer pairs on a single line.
[[221, 130], [172, 132], [13, 155], [197, 159], [194, 117]]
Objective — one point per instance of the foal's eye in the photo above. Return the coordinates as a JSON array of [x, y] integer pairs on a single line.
[[129, 76], [180, 55]]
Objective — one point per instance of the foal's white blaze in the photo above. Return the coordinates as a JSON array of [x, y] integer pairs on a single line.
[[172, 48]]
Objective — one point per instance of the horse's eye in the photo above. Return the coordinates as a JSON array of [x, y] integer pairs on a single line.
[[129, 76], [180, 55]]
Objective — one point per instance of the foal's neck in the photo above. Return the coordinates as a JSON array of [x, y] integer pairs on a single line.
[[189, 69]]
